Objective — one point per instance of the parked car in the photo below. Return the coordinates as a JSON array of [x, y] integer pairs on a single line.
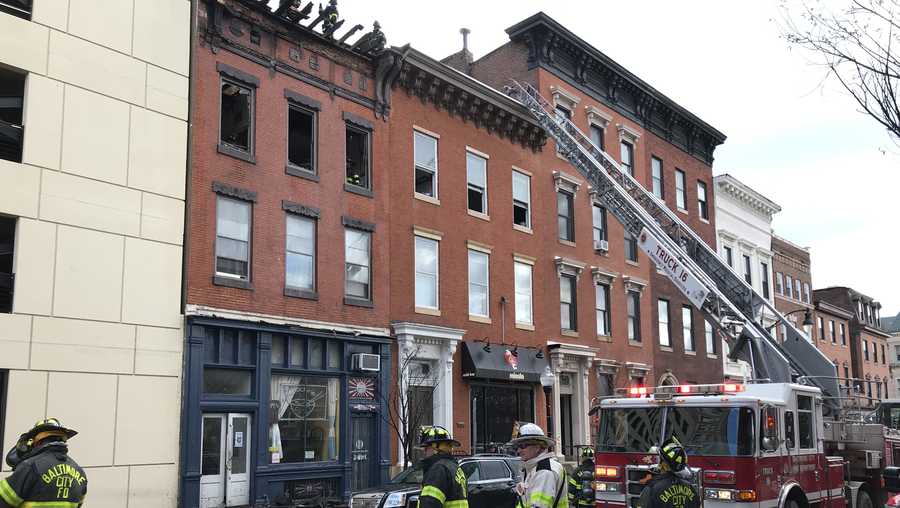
[[490, 480]]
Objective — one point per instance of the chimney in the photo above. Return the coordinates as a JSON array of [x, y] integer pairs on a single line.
[[465, 33], [461, 60]]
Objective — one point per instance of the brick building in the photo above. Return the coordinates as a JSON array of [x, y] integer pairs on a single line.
[[832, 337], [868, 342], [793, 280]]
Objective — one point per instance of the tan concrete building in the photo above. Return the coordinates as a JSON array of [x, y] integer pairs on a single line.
[[93, 137]]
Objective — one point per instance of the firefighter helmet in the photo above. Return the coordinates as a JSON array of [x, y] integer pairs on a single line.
[[435, 434], [672, 453], [587, 453], [49, 427], [531, 433]]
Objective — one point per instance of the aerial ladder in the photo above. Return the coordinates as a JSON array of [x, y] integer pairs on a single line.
[[731, 305]]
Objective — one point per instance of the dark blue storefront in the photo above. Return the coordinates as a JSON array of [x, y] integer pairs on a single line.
[[273, 411]]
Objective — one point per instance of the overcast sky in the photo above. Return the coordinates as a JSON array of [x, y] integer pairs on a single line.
[[833, 170]]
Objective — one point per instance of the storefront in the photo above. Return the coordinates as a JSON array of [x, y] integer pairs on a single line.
[[503, 380], [275, 411]]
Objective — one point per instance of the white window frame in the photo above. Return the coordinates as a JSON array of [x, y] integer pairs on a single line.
[[665, 335], [709, 334], [703, 204], [524, 295], [486, 285], [779, 283], [368, 235], [220, 199], [788, 286], [687, 328], [527, 179], [417, 133], [423, 241], [806, 292], [656, 175], [572, 316], [291, 217], [680, 190], [602, 312], [471, 186]]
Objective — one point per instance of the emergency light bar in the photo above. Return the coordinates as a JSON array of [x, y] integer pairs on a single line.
[[716, 389]]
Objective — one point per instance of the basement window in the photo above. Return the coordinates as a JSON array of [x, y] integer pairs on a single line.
[[19, 8], [7, 242], [12, 91], [236, 128]]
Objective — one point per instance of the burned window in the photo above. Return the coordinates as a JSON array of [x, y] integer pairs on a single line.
[[12, 90], [301, 138], [7, 241], [20, 8], [236, 128], [358, 157]]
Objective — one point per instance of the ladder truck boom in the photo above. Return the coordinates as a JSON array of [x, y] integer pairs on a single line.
[[730, 304]]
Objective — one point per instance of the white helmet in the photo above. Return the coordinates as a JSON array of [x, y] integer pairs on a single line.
[[530, 432]]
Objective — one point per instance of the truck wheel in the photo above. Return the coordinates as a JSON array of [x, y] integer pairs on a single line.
[[863, 500], [792, 503]]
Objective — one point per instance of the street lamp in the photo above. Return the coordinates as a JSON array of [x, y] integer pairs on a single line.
[[547, 379], [807, 321]]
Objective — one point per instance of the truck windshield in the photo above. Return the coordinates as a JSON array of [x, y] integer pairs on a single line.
[[722, 431]]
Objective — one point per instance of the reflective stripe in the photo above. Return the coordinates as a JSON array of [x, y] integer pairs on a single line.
[[8, 495], [430, 490], [541, 499], [50, 504], [462, 503]]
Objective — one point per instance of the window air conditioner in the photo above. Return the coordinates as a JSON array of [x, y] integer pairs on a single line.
[[602, 245], [365, 362]]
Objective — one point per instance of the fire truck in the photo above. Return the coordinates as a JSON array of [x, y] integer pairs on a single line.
[[790, 437]]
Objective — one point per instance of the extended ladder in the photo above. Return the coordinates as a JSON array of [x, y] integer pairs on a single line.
[[728, 302]]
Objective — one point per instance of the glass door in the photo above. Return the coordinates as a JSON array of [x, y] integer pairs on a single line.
[[212, 463], [361, 434], [237, 491]]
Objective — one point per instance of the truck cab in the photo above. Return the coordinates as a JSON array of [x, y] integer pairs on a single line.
[[757, 444]]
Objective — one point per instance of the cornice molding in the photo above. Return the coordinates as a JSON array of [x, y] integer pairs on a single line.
[[744, 194]]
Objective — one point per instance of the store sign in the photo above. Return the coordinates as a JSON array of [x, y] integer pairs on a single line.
[[672, 266]]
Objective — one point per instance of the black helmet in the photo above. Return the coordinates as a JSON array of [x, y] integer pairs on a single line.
[[435, 434], [47, 428], [672, 453], [587, 453]]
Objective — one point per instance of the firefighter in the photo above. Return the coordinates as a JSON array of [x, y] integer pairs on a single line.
[[581, 483], [670, 486], [43, 473], [443, 482], [545, 477]]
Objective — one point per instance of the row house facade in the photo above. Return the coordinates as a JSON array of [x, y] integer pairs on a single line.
[[792, 269], [93, 141], [352, 203], [868, 342]]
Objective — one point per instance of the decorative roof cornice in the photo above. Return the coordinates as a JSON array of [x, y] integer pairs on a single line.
[[552, 46], [834, 310], [463, 96], [733, 187]]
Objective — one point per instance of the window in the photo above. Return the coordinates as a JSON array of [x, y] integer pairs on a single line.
[[232, 238], [562, 113], [565, 216], [358, 250], [426, 167], [426, 273], [309, 414], [634, 316], [631, 247], [521, 199], [821, 325], [874, 352], [301, 138], [806, 292], [236, 123], [229, 360], [599, 225], [603, 321], [747, 272], [494, 470], [12, 93], [710, 338], [687, 328], [597, 135], [7, 278], [479, 295], [664, 330], [779, 283], [844, 337], [357, 147], [729, 256], [866, 349], [627, 153], [790, 440], [300, 256], [476, 174], [797, 286], [789, 286], [831, 332], [805, 425], [523, 293], [764, 276], [883, 356], [656, 170], [680, 192], [702, 201], [847, 375], [567, 303]]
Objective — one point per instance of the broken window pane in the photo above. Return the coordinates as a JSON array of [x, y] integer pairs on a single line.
[[301, 138], [358, 157], [237, 124], [12, 90]]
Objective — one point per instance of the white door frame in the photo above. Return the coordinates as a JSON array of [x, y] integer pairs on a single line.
[[212, 487], [227, 488]]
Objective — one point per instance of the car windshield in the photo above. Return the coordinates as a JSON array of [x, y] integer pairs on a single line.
[[715, 431], [411, 475]]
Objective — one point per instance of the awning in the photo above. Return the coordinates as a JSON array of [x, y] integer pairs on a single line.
[[506, 362]]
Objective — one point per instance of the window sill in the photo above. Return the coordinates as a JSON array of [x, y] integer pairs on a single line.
[[632, 263], [667, 349], [605, 338], [523, 229], [705, 221], [681, 210], [301, 293], [561, 156], [356, 189], [599, 252], [712, 357], [225, 149], [427, 199], [569, 333], [691, 353], [358, 302], [525, 326], [427, 311], [566, 242], [480, 319], [292, 170], [232, 282], [479, 215], [635, 343]]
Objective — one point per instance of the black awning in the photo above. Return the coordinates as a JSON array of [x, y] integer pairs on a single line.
[[504, 362]]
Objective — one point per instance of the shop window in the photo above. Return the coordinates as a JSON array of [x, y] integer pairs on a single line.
[[229, 358], [301, 138], [7, 278], [495, 409], [521, 199], [656, 170], [358, 258], [236, 122], [358, 160], [426, 166], [306, 418], [476, 181], [565, 216], [663, 311], [233, 238], [12, 93]]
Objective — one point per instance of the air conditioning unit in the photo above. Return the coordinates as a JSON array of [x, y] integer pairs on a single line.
[[601, 245], [365, 362]]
